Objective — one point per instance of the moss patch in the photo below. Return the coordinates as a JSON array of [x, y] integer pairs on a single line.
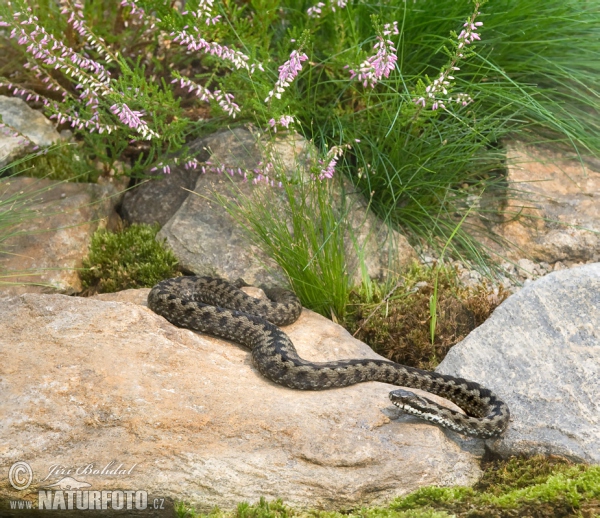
[[399, 329], [63, 162], [277, 509], [537, 487], [130, 258], [534, 487]]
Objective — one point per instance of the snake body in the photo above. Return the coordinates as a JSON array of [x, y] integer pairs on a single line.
[[215, 307]]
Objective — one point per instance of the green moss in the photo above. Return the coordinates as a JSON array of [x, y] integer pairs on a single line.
[[545, 487], [131, 258], [519, 472], [433, 496], [277, 509], [62, 162], [537, 487]]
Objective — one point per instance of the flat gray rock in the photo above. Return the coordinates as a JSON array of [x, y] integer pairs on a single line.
[[540, 351], [208, 241]]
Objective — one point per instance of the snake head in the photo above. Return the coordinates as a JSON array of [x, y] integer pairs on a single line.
[[404, 398]]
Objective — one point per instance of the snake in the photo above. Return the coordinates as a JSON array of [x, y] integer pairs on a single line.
[[216, 307]]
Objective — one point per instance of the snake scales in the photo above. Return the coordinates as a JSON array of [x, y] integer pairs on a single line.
[[218, 308]]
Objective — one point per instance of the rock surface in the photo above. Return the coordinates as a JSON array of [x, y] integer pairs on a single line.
[[208, 241], [540, 351], [561, 198], [31, 124], [156, 200], [97, 380], [50, 244]]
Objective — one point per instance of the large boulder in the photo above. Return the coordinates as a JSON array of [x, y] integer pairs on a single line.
[[540, 351], [208, 241], [45, 250], [101, 380]]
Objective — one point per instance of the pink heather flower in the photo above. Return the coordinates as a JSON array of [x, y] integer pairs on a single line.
[[45, 48], [442, 83], [77, 21], [339, 3], [381, 64], [132, 119], [201, 91], [93, 80], [205, 12], [469, 35], [316, 10], [391, 28], [287, 73], [166, 168], [329, 171], [333, 155], [226, 102], [284, 121], [194, 42]]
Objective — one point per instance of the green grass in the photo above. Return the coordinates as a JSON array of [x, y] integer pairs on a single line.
[[538, 486], [395, 320], [130, 258], [533, 77], [304, 230]]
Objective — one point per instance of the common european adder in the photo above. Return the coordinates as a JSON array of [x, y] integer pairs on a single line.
[[214, 306]]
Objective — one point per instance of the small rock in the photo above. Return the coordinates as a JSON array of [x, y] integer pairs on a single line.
[[527, 268], [558, 207], [30, 123]]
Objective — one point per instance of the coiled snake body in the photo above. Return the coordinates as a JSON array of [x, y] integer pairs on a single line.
[[215, 307]]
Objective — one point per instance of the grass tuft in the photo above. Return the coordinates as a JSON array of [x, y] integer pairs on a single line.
[[303, 229]]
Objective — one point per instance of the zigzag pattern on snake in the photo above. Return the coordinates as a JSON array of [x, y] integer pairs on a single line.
[[215, 307]]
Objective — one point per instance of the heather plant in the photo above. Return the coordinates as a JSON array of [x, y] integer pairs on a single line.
[[105, 95], [424, 99]]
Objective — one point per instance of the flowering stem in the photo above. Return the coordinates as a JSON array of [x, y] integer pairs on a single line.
[[442, 84]]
